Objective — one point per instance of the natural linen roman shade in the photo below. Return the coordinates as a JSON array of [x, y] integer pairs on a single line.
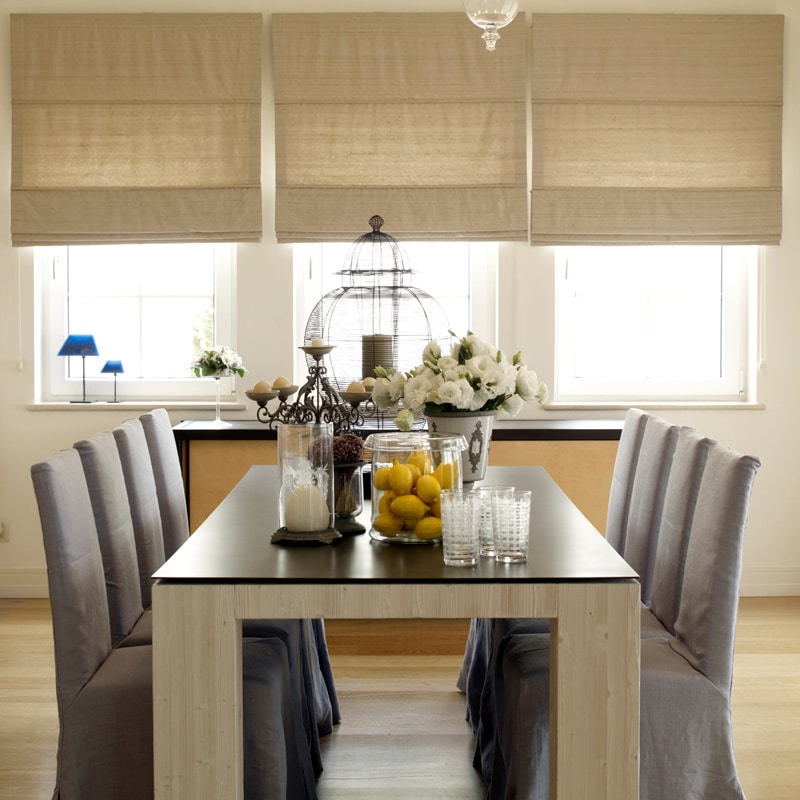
[[656, 128], [135, 128], [403, 115]]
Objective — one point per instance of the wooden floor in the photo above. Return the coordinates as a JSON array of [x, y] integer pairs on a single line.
[[403, 733]]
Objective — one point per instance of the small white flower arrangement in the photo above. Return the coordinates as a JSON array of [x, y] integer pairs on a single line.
[[218, 362], [473, 376]]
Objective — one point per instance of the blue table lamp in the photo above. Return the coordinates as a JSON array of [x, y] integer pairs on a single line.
[[79, 344], [116, 368]]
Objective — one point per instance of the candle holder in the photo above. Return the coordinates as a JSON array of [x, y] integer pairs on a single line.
[[306, 499], [317, 401]]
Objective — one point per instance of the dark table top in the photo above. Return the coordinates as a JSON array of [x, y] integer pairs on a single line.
[[233, 544]]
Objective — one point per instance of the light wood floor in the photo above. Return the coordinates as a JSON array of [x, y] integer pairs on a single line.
[[403, 733]]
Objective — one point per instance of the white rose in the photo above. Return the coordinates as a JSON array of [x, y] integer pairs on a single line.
[[527, 384], [456, 393], [419, 389], [511, 406]]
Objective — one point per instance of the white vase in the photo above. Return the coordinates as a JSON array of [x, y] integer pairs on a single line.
[[476, 428]]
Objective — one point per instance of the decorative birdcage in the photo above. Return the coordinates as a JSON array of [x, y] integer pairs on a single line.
[[376, 318]]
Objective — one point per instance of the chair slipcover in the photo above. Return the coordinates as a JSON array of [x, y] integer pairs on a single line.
[[112, 515], [476, 678], [143, 501], [168, 478], [305, 639], [619, 495], [680, 502], [686, 744], [104, 695], [646, 501]]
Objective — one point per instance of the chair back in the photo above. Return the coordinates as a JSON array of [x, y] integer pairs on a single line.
[[143, 501], [112, 515], [647, 499], [630, 442], [706, 624], [688, 464], [81, 632], [168, 477]]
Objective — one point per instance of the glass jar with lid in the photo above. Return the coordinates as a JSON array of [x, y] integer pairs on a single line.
[[409, 471]]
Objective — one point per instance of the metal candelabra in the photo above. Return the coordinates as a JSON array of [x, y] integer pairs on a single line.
[[317, 400]]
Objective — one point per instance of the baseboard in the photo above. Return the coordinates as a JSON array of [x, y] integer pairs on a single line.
[[23, 583], [772, 582]]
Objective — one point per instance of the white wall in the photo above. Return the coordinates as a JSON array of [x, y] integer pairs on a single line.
[[772, 550]]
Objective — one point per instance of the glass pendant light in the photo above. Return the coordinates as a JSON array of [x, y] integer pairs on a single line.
[[491, 15]]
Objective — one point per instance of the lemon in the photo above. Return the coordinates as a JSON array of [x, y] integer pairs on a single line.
[[416, 474], [428, 488], [387, 524], [428, 528], [409, 506], [401, 479], [447, 474], [436, 508], [422, 461], [380, 480], [386, 500]]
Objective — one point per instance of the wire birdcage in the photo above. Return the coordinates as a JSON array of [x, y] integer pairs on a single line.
[[376, 318]]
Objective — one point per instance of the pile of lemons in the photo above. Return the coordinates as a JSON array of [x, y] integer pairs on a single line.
[[407, 495]]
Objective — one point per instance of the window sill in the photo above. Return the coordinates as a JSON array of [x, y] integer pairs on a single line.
[[135, 405], [649, 405]]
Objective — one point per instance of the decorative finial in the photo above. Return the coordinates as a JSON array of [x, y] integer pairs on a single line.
[[376, 222]]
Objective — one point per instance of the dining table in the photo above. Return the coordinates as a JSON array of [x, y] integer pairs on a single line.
[[229, 570]]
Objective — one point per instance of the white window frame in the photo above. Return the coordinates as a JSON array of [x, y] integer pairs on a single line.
[[736, 383], [483, 270], [54, 383]]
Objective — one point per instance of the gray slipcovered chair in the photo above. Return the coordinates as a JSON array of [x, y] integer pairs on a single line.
[[305, 639], [140, 484], [636, 496], [104, 694], [168, 478], [646, 501], [130, 624], [686, 738]]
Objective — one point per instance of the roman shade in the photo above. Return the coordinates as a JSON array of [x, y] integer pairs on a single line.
[[656, 128], [402, 115], [135, 128]]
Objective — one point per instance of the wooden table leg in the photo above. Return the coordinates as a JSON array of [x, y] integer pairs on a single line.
[[197, 693], [594, 691]]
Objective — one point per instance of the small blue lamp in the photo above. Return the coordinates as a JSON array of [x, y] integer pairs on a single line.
[[116, 368], [79, 344]]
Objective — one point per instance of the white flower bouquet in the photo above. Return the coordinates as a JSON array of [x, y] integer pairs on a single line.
[[218, 362], [473, 376]]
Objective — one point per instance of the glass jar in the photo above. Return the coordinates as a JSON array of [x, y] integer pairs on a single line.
[[409, 470], [306, 499]]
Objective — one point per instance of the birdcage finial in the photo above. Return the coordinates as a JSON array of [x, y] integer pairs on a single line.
[[376, 222]]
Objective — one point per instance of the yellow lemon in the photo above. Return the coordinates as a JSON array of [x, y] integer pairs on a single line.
[[415, 473], [387, 524], [401, 478], [422, 461], [384, 504], [428, 528], [380, 480], [436, 508], [409, 506], [447, 474], [428, 488]]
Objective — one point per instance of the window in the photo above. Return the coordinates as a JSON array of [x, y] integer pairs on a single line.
[[460, 276], [150, 306], [654, 323]]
